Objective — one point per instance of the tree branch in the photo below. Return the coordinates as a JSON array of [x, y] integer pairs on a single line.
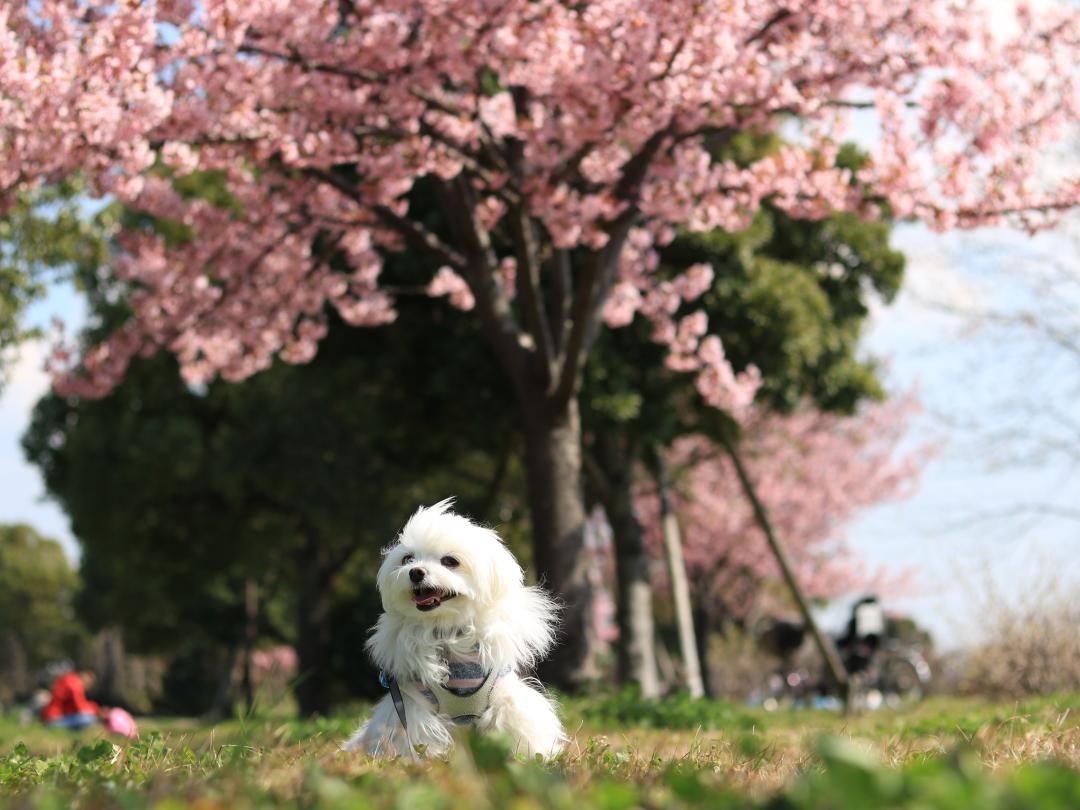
[[480, 272], [528, 287], [597, 476], [413, 232], [598, 271], [772, 22], [560, 297]]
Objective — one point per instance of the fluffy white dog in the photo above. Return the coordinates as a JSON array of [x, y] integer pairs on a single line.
[[458, 623]]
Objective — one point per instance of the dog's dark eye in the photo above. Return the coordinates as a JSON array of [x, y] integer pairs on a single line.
[[408, 558], [450, 562]]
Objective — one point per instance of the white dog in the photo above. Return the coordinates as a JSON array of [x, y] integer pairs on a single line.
[[458, 623]]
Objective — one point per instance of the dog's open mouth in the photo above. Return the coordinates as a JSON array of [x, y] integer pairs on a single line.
[[430, 598]]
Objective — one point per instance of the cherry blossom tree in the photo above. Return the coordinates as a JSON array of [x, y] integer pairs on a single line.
[[562, 143], [813, 470]]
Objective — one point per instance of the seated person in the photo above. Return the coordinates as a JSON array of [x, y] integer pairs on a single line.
[[863, 635], [68, 706]]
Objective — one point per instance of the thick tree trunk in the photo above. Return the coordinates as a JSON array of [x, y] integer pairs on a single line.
[[313, 633], [634, 606], [634, 609], [680, 587], [557, 511]]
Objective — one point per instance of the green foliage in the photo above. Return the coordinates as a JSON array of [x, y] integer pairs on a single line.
[[853, 779], [628, 709], [297, 765], [295, 478], [44, 236], [37, 588], [791, 297]]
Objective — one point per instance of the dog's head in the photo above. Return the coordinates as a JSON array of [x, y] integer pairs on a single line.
[[445, 567]]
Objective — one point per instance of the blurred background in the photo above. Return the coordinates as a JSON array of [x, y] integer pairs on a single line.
[[209, 550]]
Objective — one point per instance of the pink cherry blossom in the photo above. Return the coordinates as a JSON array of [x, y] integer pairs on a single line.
[[563, 138], [450, 284], [814, 472]]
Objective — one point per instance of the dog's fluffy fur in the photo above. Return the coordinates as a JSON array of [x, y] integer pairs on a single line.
[[483, 609]]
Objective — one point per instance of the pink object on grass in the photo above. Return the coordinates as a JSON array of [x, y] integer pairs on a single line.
[[120, 722]]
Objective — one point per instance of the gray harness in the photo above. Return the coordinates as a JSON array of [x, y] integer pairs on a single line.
[[464, 702]]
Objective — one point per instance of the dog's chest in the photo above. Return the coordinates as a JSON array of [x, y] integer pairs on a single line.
[[466, 692]]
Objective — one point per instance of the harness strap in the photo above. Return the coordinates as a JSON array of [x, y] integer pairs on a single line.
[[399, 707], [399, 702]]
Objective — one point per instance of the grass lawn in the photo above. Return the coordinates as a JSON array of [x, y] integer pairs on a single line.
[[948, 754]]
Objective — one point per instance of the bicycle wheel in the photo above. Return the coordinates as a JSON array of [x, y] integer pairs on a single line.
[[901, 682]]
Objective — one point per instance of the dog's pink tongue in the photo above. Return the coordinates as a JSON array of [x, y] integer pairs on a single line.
[[426, 600]]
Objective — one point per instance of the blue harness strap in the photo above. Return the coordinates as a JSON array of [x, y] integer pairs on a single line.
[[399, 701]]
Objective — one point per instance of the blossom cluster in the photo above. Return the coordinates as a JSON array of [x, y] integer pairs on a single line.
[[585, 119]]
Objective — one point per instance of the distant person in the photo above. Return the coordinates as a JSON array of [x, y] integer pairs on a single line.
[[864, 634], [68, 706]]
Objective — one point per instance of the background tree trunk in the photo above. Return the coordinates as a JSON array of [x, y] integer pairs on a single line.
[[557, 512], [224, 693], [251, 631], [612, 469], [680, 588], [313, 633], [634, 610], [703, 631], [107, 657], [15, 678]]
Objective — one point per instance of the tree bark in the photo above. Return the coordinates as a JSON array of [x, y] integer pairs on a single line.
[[14, 669], [313, 632], [634, 609], [107, 657], [680, 587], [557, 511], [222, 704], [636, 651], [251, 631], [703, 631]]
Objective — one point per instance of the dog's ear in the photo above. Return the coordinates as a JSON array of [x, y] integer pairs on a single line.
[[390, 560], [521, 627], [504, 575]]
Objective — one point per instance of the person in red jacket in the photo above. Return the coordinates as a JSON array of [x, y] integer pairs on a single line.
[[68, 706]]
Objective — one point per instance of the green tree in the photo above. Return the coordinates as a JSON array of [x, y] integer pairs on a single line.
[[37, 621], [290, 480], [184, 498]]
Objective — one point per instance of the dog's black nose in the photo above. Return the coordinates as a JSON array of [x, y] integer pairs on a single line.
[[417, 574]]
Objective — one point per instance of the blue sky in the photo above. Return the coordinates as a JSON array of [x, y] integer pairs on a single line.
[[984, 392], [973, 384], [21, 490]]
